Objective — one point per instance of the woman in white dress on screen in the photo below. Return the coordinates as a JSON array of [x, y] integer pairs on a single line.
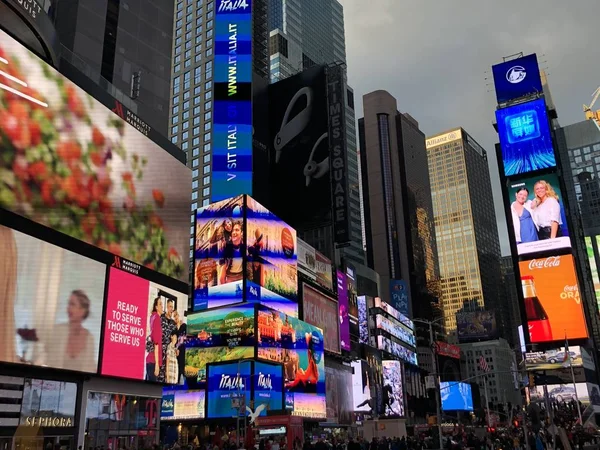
[[546, 210]]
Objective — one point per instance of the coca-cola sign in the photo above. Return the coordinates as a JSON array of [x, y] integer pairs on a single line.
[[551, 261]]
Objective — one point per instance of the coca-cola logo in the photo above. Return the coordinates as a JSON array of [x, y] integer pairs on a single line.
[[551, 261], [571, 292]]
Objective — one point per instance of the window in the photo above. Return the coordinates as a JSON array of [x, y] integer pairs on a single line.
[[206, 137], [177, 68], [185, 115], [195, 184], [174, 139], [175, 129], [196, 110], [188, 63], [196, 120], [174, 119], [184, 146], [196, 131], [176, 99], [205, 202], [186, 104], [178, 50], [209, 33], [209, 52], [187, 54], [194, 207], [205, 169], [206, 158], [185, 125], [196, 141], [195, 163], [197, 90], [197, 58], [195, 151], [206, 181], [208, 85], [198, 48], [206, 192], [207, 147], [210, 15], [207, 125], [209, 24], [186, 76], [208, 105], [194, 197], [184, 135], [207, 95], [194, 173], [186, 95], [209, 42], [175, 109], [178, 41], [208, 115]]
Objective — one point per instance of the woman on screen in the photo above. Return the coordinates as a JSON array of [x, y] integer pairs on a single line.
[[311, 374], [546, 211], [8, 288], [154, 347], [232, 268], [526, 229]]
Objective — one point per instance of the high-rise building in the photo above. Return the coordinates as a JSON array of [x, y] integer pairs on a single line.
[[304, 33], [511, 302], [399, 228], [465, 223]]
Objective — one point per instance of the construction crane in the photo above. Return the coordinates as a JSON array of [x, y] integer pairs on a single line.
[[589, 113]]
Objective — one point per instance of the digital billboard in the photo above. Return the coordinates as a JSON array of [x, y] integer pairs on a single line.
[[554, 359], [322, 311], [374, 374], [73, 165], [218, 335], [476, 326], [228, 389], [314, 265], [363, 320], [352, 301], [52, 302], [561, 393], [378, 303], [517, 78], [552, 302], [361, 386], [456, 396], [143, 330], [338, 379], [342, 291], [48, 403], [268, 388], [393, 388], [395, 329], [399, 296], [219, 252], [182, 405], [538, 214], [445, 349], [525, 138], [299, 346], [393, 348], [593, 266], [232, 117]]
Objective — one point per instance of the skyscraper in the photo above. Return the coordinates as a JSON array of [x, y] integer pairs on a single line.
[[399, 228], [304, 33], [465, 223]]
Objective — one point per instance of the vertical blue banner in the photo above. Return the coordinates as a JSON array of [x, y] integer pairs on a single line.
[[232, 116], [399, 296]]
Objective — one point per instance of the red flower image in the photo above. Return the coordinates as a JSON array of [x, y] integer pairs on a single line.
[[74, 103], [159, 197], [97, 137]]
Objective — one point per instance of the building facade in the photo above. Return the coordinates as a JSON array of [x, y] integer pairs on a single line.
[[511, 302], [465, 223]]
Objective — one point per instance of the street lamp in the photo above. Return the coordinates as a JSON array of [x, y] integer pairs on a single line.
[[436, 374]]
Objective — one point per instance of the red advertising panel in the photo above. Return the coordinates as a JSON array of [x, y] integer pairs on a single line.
[[449, 350], [144, 321], [552, 301], [322, 311]]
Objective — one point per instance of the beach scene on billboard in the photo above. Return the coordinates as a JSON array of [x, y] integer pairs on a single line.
[[554, 359], [272, 252], [300, 347], [71, 164], [145, 330], [52, 302], [525, 138], [476, 325], [552, 301], [219, 335], [219, 252], [182, 404], [393, 390], [538, 214]]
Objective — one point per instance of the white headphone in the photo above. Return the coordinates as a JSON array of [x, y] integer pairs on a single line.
[[314, 169], [289, 130]]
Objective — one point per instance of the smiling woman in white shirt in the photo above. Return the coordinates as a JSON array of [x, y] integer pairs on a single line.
[[546, 209]]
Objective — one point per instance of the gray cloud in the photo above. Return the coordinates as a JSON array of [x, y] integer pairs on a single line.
[[435, 56]]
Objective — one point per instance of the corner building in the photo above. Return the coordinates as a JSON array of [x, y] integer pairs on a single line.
[[465, 223]]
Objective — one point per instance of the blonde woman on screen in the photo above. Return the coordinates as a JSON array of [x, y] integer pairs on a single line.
[[8, 287]]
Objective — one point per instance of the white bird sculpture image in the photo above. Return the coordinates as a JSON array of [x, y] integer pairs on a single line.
[[256, 413]]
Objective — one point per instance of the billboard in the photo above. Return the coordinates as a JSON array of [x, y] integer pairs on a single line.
[[314, 265], [445, 138], [352, 301], [52, 304], [449, 350], [538, 214], [456, 396], [268, 388], [554, 359], [399, 296], [552, 302], [363, 320], [395, 329], [342, 291], [75, 166], [322, 311], [393, 388], [393, 348], [143, 329], [361, 386], [339, 394], [525, 138], [476, 326], [48, 403], [182, 404], [218, 335], [593, 266], [562, 393], [517, 78], [232, 120], [299, 346], [228, 389], [378, 303]]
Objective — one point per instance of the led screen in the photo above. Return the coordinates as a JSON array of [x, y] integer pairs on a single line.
[[363, 320], [394, 313], [314, 265], [538, 214], [299, 346], [352, 301], [525, 138], [80, 169], [219, 254], [232, 121], [395, 329], [228, 389], [52, 302], [562, 393], [456, 396], [517, 78], [554, 359], [342, 291], [476, 326], [322, 311], [361, 387], [182, 405], [144, 329], [339, 394], [396, 349], [593, 265], [219, 335], [48, 403], [268, 388], [393, 389], [399, 297], [552, 301]]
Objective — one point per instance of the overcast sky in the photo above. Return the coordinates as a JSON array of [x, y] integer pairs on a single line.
[[435, 56]]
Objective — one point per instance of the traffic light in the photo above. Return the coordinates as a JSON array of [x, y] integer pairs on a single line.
[[491, 430]]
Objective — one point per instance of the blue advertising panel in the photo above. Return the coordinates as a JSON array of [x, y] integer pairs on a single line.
[[232, 120], [268, 388], [517, 78], [456, 396], [399, 297], [219, 254], [228, 389], [525, 138], [300, 347]]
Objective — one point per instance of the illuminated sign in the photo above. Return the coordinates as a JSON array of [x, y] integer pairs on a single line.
[[396, 349], [48, 421], [517, 78], [394, 313], [399, 296], [453, 135], [395, 329], [554, 359], [232, 121]]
